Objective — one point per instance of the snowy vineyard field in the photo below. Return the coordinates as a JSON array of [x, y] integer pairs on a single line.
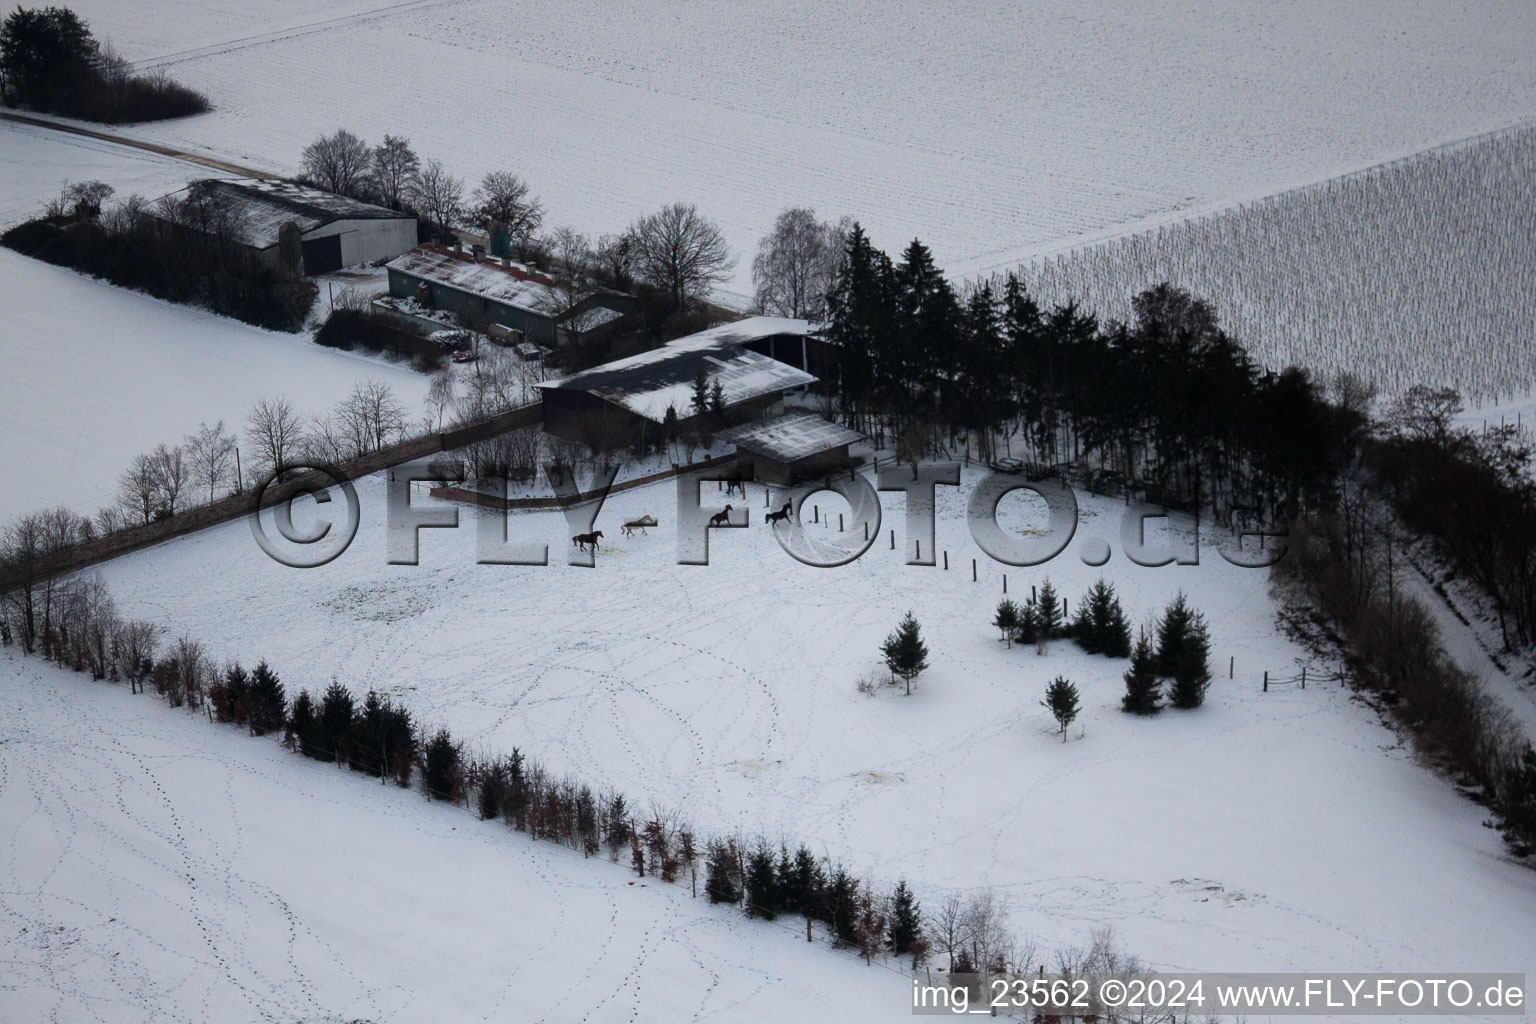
[[1417, 271]]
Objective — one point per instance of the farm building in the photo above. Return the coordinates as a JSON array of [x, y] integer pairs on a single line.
[[334, 231], [528, 305], [792, 447], [628, 399]]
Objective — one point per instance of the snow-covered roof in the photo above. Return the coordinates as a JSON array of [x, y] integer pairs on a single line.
[[646, 384], [264, 205], [590, 319], [793, 436], [512, 285]]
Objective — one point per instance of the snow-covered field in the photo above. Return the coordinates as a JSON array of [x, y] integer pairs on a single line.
[[991, 131], [153, 868], [96, 374], [1287, 830]]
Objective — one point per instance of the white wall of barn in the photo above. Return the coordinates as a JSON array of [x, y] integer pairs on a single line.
[[363, 241]]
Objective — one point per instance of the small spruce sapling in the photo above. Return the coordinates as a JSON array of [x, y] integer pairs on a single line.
[[1061, 700]]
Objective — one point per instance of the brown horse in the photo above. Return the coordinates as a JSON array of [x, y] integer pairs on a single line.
[[779, 516], [721, 518], [581, 540]]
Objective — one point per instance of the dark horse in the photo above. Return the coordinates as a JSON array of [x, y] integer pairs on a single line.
[[721, 518], [779, 516], [581, 540], [736, 483]]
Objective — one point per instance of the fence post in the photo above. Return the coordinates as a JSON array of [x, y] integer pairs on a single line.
[[1303, 677], [866, 529], [946, 560], [1005, 583], [893, 540], [919, 545], [973, 570], [1266, 680], [1231, 665]]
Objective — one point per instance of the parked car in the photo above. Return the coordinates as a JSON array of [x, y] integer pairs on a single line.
[[1006, 465]]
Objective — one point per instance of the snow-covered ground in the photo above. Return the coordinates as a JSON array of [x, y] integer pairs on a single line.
[[154, 868], [1280, 830], [96, 374], [991, 131]]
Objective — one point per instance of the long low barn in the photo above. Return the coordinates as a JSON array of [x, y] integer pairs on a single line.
[[484, 290], [793, 447], [334, 231], [628, 399]]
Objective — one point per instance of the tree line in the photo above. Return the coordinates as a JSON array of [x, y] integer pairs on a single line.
[[51, 61], [1169, 403], [1343, 581], [186, 247]]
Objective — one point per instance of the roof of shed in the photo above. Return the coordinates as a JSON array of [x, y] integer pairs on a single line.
[[648, 383], [512, 285], [794, 436], [264, 205]]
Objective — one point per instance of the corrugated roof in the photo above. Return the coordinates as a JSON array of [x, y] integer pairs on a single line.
[[514, 285], [265, 205], [793, 436], [646, 384]]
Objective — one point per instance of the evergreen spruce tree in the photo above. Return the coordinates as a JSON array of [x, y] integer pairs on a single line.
[[764, 898], [335, 721], [442, 766], [1048, 611], [906, 919], [265, 702], [1061, 700], [1191, 665], [1171, 631], [233, 704], [1028, 626], [721, 880], [717, 402], [301, 723], [399, 751], [843, 907], [490, 791], [1516, 806], [1007, 619], [618, 825], [366, 751], [1100, 626], [586, 821], [1115, 630], [1143, 694], [700, 399], [905, 653], [803, 883]]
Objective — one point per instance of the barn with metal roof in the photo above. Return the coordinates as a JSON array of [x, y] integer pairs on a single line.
[[633, 395], [334, 231]]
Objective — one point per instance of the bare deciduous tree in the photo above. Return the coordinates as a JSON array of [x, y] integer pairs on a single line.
[[171, 476], [372, 416], [138, 489], [441, 394], [503, 199], [211, 453], [273, 431], [337, 163], [440, 195], [796, 263], [396, 171], [679, 250]]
